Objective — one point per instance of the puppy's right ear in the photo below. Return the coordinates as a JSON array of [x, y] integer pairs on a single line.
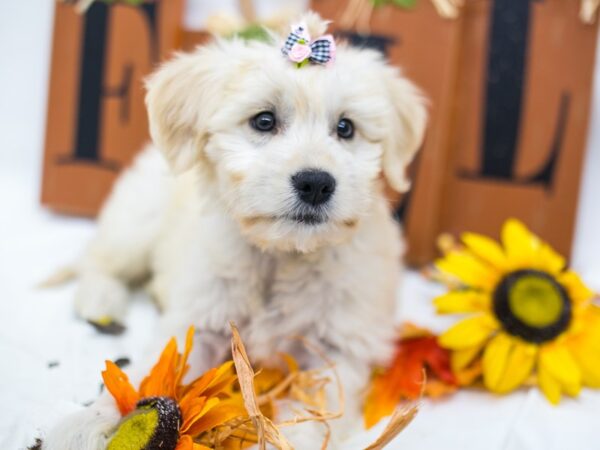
[[181, 97]]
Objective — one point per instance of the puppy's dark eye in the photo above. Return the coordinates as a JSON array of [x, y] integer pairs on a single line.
[[345, 129], [263, 122]]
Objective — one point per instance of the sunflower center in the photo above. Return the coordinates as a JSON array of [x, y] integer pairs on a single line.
[[153, 424], [532, 305]]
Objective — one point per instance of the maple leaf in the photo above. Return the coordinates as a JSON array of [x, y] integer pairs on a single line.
[[417, 360]]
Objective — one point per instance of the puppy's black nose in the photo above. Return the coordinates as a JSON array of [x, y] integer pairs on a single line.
[[313, 186]]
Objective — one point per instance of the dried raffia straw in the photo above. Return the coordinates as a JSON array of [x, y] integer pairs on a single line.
[[277, 390], [265, 429], [240, 428], [310, 380], [588, 11], [307, 387], [450, 9], [81, 6], [401, 418], [247, 10], [325, 443], [350, 15], [445, 243], [363, 24], [357, 13]]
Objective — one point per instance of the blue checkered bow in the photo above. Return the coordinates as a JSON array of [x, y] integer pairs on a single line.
[[321, 48]]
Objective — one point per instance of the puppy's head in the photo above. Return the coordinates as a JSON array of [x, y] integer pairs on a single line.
[[294, 154]]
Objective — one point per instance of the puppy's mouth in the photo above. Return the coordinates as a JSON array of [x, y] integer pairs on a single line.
[[302, 218], [307, 215], [308, 218]]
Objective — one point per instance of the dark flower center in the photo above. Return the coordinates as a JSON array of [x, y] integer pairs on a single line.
[[532, 305], [154, 424]]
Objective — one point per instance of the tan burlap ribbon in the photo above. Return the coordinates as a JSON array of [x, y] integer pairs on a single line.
[[358, 12], [589, 11]]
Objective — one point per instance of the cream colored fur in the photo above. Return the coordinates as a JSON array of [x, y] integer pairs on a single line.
[[203, 212]]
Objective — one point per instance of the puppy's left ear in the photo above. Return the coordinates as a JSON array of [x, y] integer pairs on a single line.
[[406, 129]]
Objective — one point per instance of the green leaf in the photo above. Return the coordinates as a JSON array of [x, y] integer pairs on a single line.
[[405, 3], [378, 3], [253, 32]]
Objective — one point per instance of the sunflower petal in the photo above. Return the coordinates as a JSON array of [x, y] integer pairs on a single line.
[[550, 260], [200, 447], [222, 385], [578, 291], [469, 332], [549, 386], [469, 269], [586, 351], [183, 366], [590, 370], [191, 410], [486, 249], [495, 360], [161, 381], [185, 443], [197, 412], [218, 415], [560, 364], [223, 371], [462, 302], [197, 387], [519, 365], [520, 245], [459, 359], [117, 383]]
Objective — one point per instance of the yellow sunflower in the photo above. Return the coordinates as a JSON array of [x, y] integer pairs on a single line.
[[531, 317]]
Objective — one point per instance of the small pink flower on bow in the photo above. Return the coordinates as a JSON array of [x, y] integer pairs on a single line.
[[299, 52], [300, 49]]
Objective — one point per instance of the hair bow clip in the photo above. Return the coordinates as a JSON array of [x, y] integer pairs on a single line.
[[300, 49]]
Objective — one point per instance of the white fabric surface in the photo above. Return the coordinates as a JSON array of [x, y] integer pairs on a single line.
[[38, 327]]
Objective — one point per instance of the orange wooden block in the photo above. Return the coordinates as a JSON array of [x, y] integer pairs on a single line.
[[96, 115]]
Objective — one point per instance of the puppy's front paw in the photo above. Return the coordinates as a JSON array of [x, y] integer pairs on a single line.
[[101, 300]]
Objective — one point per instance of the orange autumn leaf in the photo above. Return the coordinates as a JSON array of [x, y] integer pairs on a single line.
[[403, 380]]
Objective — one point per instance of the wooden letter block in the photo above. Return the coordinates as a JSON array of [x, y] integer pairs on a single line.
[[96, 114]]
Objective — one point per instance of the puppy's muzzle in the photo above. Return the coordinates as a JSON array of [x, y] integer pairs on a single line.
[[313, 187]]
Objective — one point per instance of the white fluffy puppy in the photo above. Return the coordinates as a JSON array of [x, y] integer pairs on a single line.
[[262, 203]]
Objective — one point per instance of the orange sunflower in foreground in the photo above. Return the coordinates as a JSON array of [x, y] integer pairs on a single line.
[[531, 317], [164, 412]]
